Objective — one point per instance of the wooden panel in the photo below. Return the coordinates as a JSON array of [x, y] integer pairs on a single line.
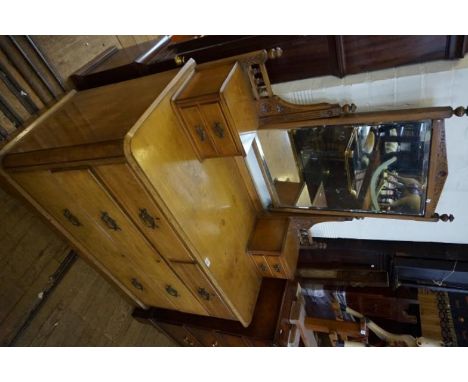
[[134, 199], [364, 53], [180, 334], [239, 102], [193, 193], [96, 115], [219, 130], [231, 340], [207, 295], [198, 132], [268, 236], [204, 336]]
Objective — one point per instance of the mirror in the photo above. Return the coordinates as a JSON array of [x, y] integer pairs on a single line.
[[376, 168]]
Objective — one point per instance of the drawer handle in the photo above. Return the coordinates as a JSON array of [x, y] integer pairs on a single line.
[[173, 292], [71, 218], [109, 221], [188, 341], [204, 294], [277, 268], [201, 132], [218, 129], [137, 284], [147, 219], [263, 267]]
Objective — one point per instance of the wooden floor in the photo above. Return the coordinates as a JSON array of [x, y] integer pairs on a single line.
[[83, 310]]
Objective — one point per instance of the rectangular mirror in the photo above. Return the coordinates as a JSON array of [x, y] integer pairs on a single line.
[[372, 168]]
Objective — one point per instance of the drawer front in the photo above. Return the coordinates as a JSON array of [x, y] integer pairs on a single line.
[[277, 267], [231, 340], [206, 337], [203, 289], [198, 132], [85, 194], [180, 334], [143, 211], [219, 129], [44, 188], [262, 265], [125, 236]]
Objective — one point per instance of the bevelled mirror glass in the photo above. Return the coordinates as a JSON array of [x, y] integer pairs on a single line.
[[377, 168]]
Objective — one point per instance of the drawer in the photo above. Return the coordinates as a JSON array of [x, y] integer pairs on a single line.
[[231, 340], [112, 228], [206, 337], [218, 127], [143, 211], [277, 268], [262, 265], [47, 192], [180, 334], [203, 289], [198, 132]]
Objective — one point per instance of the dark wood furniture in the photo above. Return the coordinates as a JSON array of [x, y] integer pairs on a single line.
[[270, 325], [291, 57]]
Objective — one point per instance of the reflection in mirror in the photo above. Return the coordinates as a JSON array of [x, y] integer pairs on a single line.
[[380, 168]]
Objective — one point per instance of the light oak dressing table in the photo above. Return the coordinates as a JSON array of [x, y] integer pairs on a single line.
[[150, 180]]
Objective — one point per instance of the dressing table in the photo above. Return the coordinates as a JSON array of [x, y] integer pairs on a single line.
[[161, 182]]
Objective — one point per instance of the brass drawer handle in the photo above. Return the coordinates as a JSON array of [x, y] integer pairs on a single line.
[[137, 284], [173, 292], [147, 219], [71, 218], [201, 132], [188, 341], [263, 267], [109, 221], [204, 294], [277, 268], [218, 129]]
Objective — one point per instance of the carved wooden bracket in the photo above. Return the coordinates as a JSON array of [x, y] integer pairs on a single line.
[[273, 110]]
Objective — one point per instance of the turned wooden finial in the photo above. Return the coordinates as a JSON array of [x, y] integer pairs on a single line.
[[274, 53], [460, 111], [444, 217], [349, 108]]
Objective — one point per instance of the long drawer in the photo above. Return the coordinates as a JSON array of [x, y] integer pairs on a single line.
[[203, 289], [82, 206], [143, 211]]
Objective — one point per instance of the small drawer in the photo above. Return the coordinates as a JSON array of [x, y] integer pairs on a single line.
[[277, 267], [198, 132], [202, 288], [262, 265], [180, 334], [219, 130]]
